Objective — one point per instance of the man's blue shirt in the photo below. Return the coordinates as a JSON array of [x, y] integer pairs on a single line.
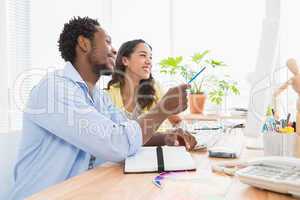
[[63, 125]]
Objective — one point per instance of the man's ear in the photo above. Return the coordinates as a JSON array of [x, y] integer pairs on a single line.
[[84, 43], [125, 61]]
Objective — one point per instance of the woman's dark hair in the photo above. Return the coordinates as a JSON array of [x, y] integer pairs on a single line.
[[72, 30], [146, 91]]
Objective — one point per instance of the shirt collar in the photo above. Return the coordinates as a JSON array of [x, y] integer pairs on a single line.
[[71, 73]]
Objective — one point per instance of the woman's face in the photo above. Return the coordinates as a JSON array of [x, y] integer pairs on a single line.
[[139, 63]]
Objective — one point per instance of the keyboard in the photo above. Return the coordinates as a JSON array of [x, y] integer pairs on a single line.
[[282, 179], [212, 134]]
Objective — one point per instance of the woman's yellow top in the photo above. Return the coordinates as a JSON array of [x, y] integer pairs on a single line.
[[116, 97]]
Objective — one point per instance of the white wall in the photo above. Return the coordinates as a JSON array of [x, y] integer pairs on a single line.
[[231, 29], [47, 20], [142, 19]]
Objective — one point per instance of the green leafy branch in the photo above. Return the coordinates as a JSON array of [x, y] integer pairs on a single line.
[[222, 89], [218, 87]]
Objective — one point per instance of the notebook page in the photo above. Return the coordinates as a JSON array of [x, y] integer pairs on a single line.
[[177, 158], [143, 161]]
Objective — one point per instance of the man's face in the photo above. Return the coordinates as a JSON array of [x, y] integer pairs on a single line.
[[102, 55]]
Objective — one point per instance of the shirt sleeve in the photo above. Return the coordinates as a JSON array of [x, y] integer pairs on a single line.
[[63, 109]]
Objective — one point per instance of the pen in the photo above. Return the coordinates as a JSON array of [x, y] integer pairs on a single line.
[[157, 180], [288, 118], [194, 77], [157, 183]]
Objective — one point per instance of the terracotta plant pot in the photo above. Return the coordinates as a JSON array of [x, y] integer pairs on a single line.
[[196, 102]]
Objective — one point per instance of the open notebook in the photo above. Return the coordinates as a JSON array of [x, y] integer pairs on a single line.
[[159, 159]]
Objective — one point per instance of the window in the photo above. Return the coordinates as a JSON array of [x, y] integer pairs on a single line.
[[18, 55], [231, 29]]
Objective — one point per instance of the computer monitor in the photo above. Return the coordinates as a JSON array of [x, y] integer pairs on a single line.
[[261, 79]]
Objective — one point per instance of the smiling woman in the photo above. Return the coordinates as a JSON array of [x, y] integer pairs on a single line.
[[132, 87]]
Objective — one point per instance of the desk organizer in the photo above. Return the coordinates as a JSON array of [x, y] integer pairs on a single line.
[[279, 144]]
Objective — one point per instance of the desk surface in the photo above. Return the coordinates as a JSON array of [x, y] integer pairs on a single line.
[[109, 182], [210, 117]]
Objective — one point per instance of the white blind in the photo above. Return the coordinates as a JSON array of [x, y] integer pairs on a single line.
[[19, 57], [3, 75]]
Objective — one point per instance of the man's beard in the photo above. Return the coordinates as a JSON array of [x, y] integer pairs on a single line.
[[101, 70]]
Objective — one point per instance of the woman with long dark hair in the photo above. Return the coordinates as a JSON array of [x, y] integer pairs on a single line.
[[132, 87]]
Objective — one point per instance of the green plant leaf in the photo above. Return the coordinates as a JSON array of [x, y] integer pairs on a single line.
[[171, 65], [197, 57], [215, 63], [171, 61], [217, 88], [235, 90]]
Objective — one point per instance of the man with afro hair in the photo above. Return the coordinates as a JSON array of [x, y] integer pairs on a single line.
[[70, 125]]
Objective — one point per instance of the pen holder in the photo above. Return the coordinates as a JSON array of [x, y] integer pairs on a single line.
[[297, 146], [280, 144]]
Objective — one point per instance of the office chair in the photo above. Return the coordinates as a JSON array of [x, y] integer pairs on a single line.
[[8, 152]]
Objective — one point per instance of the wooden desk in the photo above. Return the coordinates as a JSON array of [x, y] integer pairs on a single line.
[[109, 182]]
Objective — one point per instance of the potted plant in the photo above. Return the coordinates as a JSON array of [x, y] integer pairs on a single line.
[[208, 83], [197, 99]]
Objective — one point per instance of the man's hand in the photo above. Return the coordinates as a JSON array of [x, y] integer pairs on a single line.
[[175, 100], [179, 137], [175, 120]]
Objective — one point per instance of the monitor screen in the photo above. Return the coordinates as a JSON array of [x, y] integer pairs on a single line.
[[267, 60]]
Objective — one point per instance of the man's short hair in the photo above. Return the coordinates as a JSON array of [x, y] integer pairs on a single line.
[[72, 30]]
